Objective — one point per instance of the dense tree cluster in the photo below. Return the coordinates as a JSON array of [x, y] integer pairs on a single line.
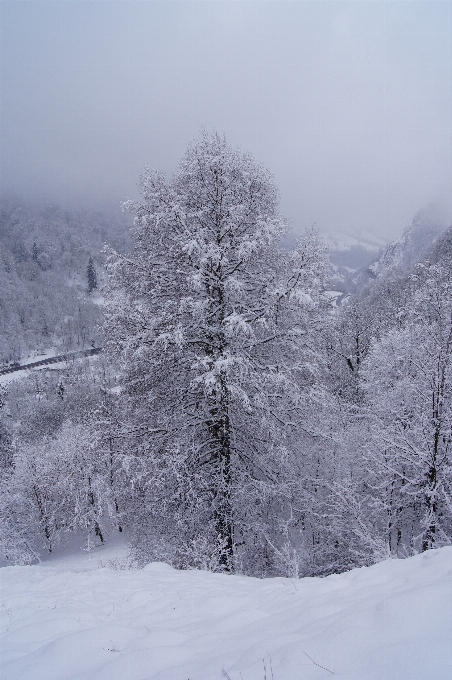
[[45, 268], [241, 423]]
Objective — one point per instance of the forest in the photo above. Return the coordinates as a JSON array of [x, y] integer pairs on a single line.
[[256, 408]]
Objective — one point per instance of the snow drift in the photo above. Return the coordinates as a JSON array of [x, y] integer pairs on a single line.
[[73, 618]]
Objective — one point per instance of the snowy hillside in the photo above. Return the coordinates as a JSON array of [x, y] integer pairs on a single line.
[[45, 296], [344, 240], [358, 258], [414, 244], [68, 618]]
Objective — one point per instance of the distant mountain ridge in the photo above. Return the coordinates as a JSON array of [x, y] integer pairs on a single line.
[[426, 237]]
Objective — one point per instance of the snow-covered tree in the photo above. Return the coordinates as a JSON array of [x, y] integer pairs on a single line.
[[213, 325], [57, 485], [408, 380], [348, 342], [59, 472]]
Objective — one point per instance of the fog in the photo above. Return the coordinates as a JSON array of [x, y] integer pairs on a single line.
[[348, 103]]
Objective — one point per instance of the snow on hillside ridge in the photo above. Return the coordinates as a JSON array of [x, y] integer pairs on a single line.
[[345, 240], [65, 619]]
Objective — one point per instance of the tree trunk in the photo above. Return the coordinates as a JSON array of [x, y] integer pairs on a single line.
[[97, 529], [219, 428]]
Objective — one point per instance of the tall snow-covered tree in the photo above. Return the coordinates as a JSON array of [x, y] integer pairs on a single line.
[[213, 324]]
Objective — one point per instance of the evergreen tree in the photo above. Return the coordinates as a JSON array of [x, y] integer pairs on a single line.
[[91, 275]]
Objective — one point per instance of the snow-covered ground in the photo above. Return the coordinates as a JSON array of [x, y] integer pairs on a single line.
[[71, 618]]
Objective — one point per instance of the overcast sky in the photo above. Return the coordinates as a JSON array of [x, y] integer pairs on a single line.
[[348, 103]]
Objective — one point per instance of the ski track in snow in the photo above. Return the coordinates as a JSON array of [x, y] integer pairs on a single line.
[[73, 619]]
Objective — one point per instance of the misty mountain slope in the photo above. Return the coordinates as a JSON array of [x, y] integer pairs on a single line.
[[442, 249], [414, 244], [68, 618], [349, 253], [44, 255], [424, 238]]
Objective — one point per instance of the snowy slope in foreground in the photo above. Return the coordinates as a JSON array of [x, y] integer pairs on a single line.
[[64, 619]]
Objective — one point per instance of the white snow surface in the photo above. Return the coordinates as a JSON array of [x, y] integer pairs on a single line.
[[71, 618]]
